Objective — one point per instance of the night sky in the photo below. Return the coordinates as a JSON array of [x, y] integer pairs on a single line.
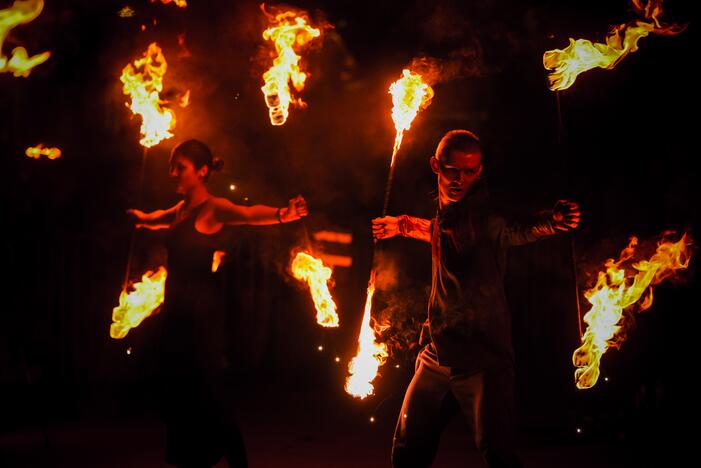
[[625, 152]]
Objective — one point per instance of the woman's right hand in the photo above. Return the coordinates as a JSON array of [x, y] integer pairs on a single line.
[[385, 227]]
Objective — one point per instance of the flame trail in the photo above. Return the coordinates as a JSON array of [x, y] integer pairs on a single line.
[[146, 297], [410, 94], [618, 290], [217, 259], [40, 150], [143, 81], [21, 12], [312, 270], [371, 355], [180, 3], [581, 55], [289, 30]]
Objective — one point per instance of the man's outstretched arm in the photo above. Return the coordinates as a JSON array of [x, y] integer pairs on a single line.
[[565, 216], [403, 225]]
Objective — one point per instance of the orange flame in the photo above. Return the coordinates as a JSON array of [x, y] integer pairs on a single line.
[[21, 12], [138, 304], [217, 259], [290, 29], [581, 55], [371, 355], [312, 270], [617, 290], [143, 81], [180, 3], [409, 95], [38, 151], [185, 99]]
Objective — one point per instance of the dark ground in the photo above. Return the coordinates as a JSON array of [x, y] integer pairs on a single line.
[[288, 427]]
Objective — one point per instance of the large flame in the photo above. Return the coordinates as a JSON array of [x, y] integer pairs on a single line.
[[312, 270], [143, 81], [409, 95], [138, 304], [371, 355], [582, 55], [289, 30], [40, 150], [616, 290], [21, 12]]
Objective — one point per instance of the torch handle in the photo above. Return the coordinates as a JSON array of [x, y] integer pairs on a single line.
[[132, 241], [388, 187], [573, 251]]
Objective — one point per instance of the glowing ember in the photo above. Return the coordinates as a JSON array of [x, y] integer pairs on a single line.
[[409, 95], [143, 81], [180, 3], [21, 12], [371, 355], [616, 290], [581, 55], [312, 270], [126, 12], [138, 304], [289, 29], [217, 259], [38, 151]]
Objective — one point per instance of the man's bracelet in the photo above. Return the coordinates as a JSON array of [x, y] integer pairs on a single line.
[[277, 213]]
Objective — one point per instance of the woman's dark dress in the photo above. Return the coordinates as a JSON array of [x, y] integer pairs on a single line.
[[197, 400]]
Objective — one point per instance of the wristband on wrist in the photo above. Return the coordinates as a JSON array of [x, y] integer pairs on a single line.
[[277, 213]]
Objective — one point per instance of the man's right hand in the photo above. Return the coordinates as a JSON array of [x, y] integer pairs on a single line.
[[385, 227]]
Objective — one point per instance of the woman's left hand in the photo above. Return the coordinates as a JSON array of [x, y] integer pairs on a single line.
[[296, 209]]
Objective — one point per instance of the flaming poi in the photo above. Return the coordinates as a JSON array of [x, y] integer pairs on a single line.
[[143, 81], [582, 55], [134, 306], [40, 150], [371, 355], [410, 94], [619, 290], [288, 30], [312, 270], [21, 12]]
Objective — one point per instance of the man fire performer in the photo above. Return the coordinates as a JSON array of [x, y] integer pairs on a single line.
[[200, 427], [467, 363]]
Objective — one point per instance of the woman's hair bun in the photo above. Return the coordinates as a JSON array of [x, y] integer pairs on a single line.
[[217, 164]]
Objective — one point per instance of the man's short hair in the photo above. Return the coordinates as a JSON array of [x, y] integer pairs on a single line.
[[458, 140]]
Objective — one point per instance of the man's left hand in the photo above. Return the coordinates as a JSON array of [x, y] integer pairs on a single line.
[[566, 215]]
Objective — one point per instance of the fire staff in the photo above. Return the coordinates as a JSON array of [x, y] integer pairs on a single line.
[[200, 427], [467, 364]]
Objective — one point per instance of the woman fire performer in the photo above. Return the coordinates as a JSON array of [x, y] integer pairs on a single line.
[[200, 427]]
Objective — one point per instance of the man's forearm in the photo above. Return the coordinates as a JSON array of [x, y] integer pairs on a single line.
[[416, 228]]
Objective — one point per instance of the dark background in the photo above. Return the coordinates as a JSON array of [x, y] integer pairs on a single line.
[[626, 154]]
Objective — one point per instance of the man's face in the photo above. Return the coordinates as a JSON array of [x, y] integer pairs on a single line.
[[457, 172]]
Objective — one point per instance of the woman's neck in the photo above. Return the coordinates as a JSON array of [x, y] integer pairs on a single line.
[[196, 196]]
